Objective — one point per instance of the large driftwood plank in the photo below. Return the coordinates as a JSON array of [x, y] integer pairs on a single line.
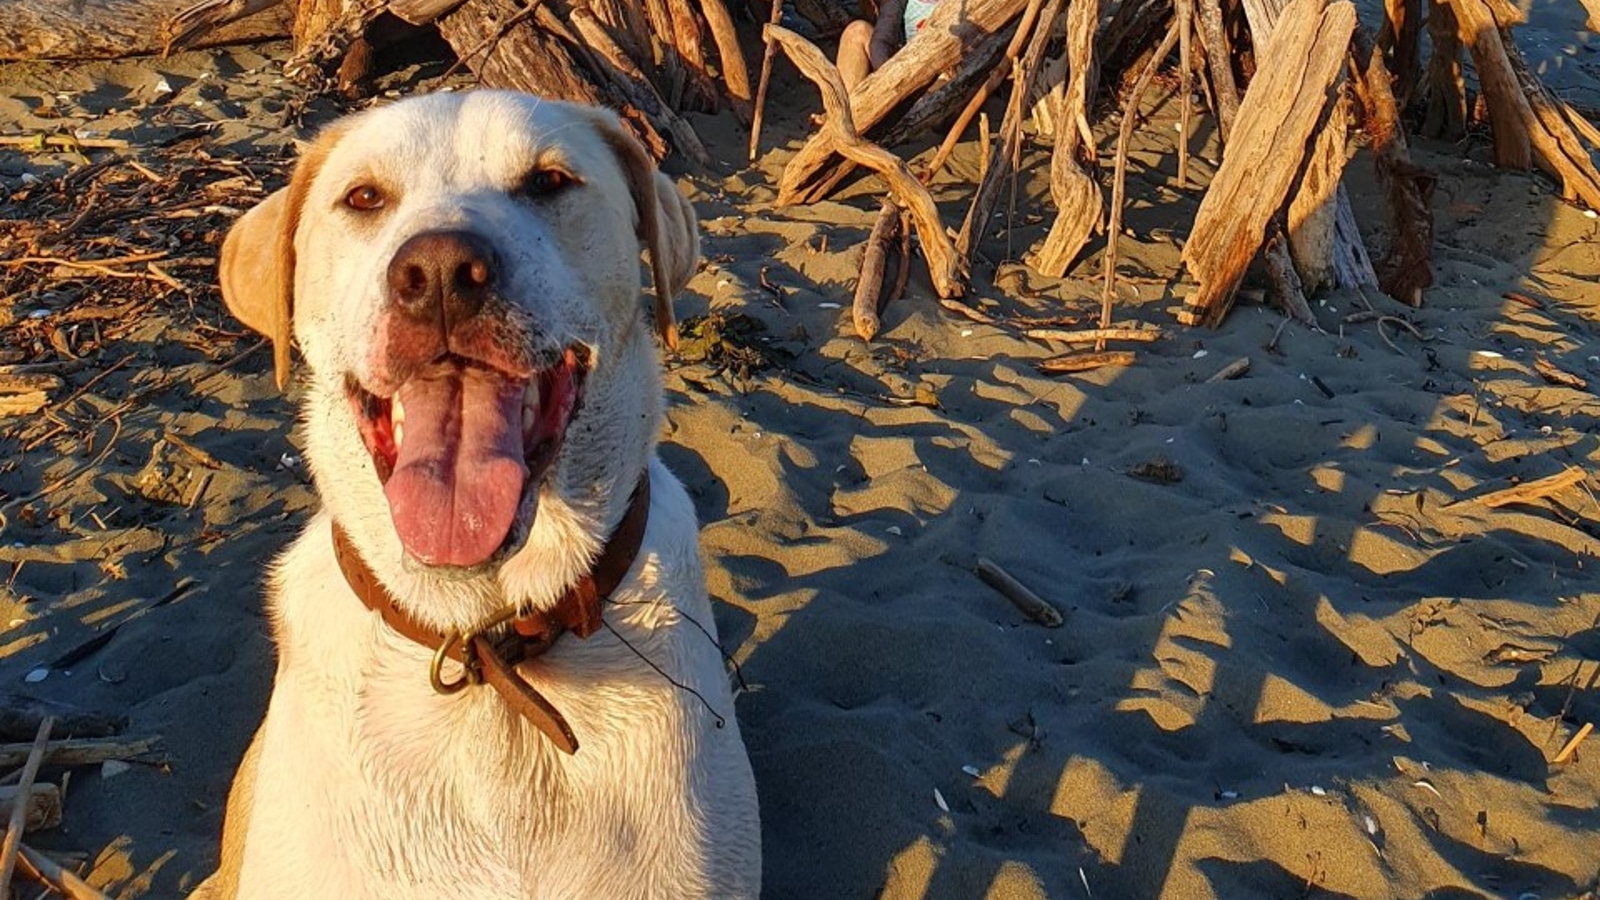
[[1301, 67], [949, 32], [108, 29], [1509, 113], [1323, 253]]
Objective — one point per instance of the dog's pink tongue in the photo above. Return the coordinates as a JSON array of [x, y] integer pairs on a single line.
[[459, 474]]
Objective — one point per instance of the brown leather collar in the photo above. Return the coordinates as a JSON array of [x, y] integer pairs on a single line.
[[491, 657]]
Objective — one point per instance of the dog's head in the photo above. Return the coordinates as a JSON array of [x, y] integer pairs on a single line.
[[461, 273]]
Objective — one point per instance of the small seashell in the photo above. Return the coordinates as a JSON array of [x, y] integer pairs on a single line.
[[939, 799], [1319, 790], [36, 676], [972, 770], [828, 305]]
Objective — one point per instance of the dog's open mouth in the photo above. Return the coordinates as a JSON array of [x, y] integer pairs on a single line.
[[460, 445]]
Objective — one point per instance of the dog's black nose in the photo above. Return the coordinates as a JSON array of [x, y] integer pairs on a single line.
[[442, 276]]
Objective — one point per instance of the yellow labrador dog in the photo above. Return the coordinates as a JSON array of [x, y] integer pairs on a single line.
[[497, 671]]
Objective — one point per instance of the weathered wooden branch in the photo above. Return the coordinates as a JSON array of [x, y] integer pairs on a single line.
[[734, 73], [1077, 195], [1322, 251], [43, 868], [16, 822], [41, 805], [933, 108], [1400, 39], [869, 290], [1084, 362], [1130, 116], [1290, 96], [1445, 87], [839, 135], [1219, 61], [85, 752], [1405, 271], [1556, 147], [1509, 113], [769, 50], [997, 75], [20, 716], [1004, 157]]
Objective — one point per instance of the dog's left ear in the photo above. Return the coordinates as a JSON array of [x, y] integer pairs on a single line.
[[667, 223]]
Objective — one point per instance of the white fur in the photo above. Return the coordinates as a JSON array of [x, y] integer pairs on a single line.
[[365, 782]]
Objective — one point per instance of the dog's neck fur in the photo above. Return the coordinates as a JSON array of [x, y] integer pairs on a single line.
[[585, 494]]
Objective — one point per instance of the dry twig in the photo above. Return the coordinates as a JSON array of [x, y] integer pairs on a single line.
[[19, 813], [1032, 605]]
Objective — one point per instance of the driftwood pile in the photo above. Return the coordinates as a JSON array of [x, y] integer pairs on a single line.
[[1285, 80]]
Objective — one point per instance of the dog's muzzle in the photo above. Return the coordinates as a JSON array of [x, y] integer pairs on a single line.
[[461, 417]]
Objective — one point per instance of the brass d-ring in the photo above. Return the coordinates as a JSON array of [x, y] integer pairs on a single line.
[[436, 670]]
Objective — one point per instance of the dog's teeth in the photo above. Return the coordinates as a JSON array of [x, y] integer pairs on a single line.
[[530, 409], [397, 421]]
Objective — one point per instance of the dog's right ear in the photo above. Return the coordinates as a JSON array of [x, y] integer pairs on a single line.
[[257, 268], [256, 286]]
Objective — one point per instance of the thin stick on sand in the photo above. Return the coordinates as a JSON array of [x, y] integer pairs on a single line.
[[1231, 370], [1085, 335], [766, 77], [1525, 493], [44, 870], [19, 812], [1572, 745], [38, 143], [1032, 605], [1083, 362]]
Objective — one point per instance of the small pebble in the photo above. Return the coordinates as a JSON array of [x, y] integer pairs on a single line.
[[36, 676], [972, 770], [939, 799]]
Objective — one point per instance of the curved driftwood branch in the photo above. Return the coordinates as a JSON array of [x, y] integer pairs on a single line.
[[839, 135]]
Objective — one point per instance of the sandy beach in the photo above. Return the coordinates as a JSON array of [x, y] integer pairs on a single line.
[[1308, 649]]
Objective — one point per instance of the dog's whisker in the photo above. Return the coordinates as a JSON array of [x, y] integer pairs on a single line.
[[718, 717]]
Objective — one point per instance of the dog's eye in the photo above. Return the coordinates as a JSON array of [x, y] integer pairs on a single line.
[[544, 182], [364, 198]]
